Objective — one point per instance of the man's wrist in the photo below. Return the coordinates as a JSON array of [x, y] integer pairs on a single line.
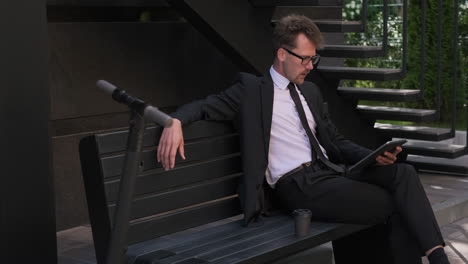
[[176, 121]]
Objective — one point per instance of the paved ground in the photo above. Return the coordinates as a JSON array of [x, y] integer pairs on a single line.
[[440, 188], [456, 237], [448, 193]]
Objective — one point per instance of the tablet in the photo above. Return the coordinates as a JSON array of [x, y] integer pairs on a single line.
[[370, 159]]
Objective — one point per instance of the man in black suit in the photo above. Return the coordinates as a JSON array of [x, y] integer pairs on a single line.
[[290, 146]]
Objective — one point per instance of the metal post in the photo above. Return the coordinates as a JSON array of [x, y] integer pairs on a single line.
[[405, 36], [422, 50], [455, 64], [385, 27], [116, 252], [364, 15], [439, 52]]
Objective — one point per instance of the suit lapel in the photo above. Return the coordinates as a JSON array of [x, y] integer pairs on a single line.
[[266, 93]]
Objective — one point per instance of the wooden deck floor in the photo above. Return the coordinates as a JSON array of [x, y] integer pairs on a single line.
[[448, 194]]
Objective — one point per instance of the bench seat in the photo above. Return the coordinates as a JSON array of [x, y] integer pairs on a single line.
[[190, 214], [228, 242]]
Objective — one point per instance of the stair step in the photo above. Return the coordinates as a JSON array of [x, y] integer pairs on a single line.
[[335, 25], [457, 166], [107, 3], [314, 12], [339, 26], [396, 113], [350, 51], [380, 94], [434, 149], [414, 132], [357, 73], [274, 3]]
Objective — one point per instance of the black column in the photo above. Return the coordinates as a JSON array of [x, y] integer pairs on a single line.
[[27, 211]]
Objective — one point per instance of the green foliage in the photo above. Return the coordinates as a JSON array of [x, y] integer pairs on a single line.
[[431, 67], [373, 36]]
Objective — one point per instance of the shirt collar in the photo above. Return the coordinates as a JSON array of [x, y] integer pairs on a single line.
[[279, 80]]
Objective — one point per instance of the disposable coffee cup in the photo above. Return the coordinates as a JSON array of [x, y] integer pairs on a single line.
[[302, 222]]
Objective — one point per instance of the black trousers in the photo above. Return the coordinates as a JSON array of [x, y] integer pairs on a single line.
[[389, 197]]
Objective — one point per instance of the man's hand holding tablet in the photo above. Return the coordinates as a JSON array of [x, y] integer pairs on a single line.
[[384, 155], [388, 157]]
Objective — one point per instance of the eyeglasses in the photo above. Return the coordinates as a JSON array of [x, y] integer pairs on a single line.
[[305, 60]]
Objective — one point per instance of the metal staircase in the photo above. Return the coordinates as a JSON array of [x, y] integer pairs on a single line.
[[242, 30]]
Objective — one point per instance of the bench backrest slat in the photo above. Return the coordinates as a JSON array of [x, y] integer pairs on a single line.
[[185, 219], [172, 200], [195, 150], [116, 141], [199, 190], [161, 180]]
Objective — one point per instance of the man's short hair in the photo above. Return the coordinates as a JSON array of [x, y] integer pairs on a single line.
[[288, 27]]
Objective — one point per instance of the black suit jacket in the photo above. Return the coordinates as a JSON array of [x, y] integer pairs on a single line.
[[250, 100]]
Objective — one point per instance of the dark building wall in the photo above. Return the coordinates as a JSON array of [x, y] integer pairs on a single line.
[[166, 63], [27, 225]]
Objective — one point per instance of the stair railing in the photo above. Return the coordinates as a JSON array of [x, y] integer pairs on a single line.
[[455, 76], [364, 12], [454, 70]]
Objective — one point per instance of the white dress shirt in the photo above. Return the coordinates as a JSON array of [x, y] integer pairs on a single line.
[[289, 144]]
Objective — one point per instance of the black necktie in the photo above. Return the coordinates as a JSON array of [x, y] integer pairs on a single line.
[[313, 141]]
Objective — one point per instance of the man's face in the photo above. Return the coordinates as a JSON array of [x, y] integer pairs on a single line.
[[293, 69]]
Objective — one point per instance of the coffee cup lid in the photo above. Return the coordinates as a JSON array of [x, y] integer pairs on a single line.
[[302, 212]]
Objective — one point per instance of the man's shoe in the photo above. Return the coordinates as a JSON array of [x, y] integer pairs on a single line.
[[438, 256]]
